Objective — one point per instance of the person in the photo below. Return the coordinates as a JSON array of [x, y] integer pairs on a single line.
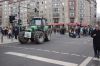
[[63, 30], [85, 31], [6, 31], [2, 31], [78, 28], [96, 41], [90, 30], [55, 30], [9, 33], [16, 32], [72, 33]]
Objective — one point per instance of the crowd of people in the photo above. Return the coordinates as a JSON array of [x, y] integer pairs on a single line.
[[78, 31], [74, 31], [10, 32]]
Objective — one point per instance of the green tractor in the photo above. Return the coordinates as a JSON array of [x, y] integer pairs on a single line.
[[38, 32]]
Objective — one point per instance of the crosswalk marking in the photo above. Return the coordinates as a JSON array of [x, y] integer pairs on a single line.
[[86, 61], [42, 59], [96, 59], [56, 52]]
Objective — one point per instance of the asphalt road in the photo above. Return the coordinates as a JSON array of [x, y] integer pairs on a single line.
[[60, 51]]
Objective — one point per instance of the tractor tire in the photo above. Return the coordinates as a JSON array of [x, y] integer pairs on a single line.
[[39, 37], [22, 39]]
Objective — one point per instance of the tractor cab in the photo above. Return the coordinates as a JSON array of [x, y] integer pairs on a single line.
[[38, 22]]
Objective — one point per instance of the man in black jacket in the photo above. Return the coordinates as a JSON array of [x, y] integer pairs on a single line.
[[63, 30], [16, 32], [96, 41], [78, 31]]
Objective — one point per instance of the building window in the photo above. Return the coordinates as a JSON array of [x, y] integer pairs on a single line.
[[72, 14], [55, 4], [56, 20], [42, 2], [71, 3], [55, 0], [56, 14], [55, 9], [71, 11], [72, 7], [95, 15], [37, 2], [41, 11], [81, 15], [45, 2]]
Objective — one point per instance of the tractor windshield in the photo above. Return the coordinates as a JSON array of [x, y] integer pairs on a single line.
[[36, 22]]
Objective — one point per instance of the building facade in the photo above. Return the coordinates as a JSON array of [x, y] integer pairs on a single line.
[[93, 11], [0, 13], [53, 10]]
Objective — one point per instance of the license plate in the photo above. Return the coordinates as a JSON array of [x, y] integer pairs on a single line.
[[27, 35]]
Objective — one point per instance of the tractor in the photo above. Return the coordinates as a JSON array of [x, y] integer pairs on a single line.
[[38, 31]]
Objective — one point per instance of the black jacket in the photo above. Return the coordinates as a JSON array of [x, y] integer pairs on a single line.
[[96, 39], [15, 31]]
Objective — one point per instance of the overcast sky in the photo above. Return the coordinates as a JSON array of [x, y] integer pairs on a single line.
[[98, 6]]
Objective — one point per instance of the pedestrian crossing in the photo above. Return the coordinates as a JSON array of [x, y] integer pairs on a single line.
[[52, 61], [42, 59]]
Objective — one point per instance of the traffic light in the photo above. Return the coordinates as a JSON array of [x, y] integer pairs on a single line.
[[11, 19]]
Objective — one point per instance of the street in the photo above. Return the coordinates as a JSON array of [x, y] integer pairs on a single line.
[[60, 51]]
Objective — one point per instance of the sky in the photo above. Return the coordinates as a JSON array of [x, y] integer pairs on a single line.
[[98, 6]]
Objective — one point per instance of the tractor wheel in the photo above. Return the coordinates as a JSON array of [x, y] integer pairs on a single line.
[[21, 38], [39, 37]]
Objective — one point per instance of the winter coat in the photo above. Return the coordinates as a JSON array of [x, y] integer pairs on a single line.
[[96, 39]]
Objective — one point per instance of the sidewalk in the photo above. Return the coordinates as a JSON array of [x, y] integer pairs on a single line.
[[7, 40]]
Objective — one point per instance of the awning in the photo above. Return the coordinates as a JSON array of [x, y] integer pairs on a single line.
[[53, 24], [73, 24], [85, 24], [62, 23]]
